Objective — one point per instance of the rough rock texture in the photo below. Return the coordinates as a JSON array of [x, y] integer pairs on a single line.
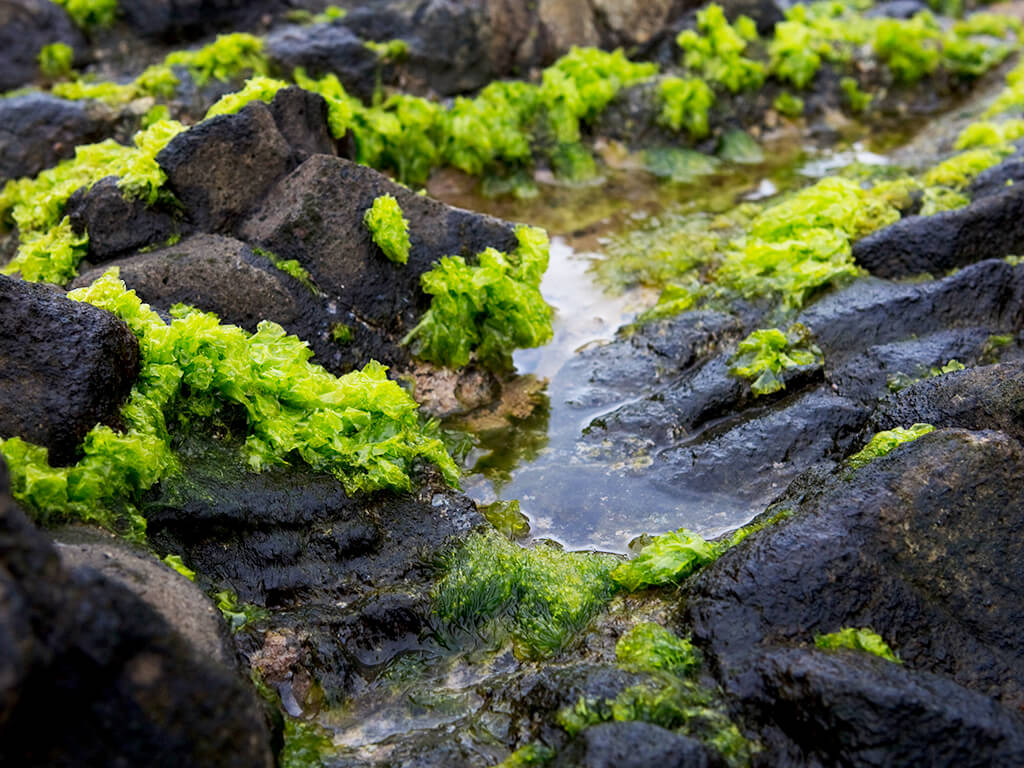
[[217, 274], [987, 228], [988, 397], [324, 49], [64, 366], [851, 708], [301, 117], [222, 167], [632, 745], [346, 577], [38, 130], [113, 681], [923, 545], [116, 225], [177, 600], [25, 27], [315, 216]]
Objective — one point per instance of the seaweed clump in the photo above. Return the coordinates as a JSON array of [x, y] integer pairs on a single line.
[[487, 309], [361, 427], [541, 596], [766, 353], [388, 228], [884, 443], [852, 638]]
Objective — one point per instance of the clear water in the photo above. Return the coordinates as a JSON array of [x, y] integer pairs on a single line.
[[568, 494]]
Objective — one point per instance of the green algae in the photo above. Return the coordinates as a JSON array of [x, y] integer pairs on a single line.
[[788, 104], [857, 100], [672, 557], [987, 133], [361, 427], [862, 639], [649, 647], [685, 103], [763, 356], [255, 89], [507, 518], [55, 60], [668, 697], [90, 13], [958, 171], [237, 614], [528, 755], [306, 744], [49, 251], [388, 228], [175, 562], [715, 50], [541, 596], [227, 57], [487, 309], [884, 443]]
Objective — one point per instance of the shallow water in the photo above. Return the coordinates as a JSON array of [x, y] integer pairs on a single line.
[[569, 494]]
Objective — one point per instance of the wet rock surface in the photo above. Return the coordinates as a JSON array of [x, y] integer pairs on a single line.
[[64, 366], [919, 545], [83, 653]]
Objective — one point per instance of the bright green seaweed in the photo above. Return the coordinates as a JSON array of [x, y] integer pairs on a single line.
[[766, 353], [487, 309], [886, 442], [388, 228], [361, 427], [852, 638]]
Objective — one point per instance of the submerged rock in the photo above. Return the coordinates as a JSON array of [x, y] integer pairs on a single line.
[[116, 683], [64, 367]]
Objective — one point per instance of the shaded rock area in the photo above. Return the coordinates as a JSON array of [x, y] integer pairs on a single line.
[[115, 683], [64, 366], [326, 49], [38, 130], [103, 211], [25, 27], [922, 546], [347, 579], [632, 745]]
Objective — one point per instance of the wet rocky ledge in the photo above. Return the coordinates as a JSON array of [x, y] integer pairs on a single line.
[[273, 615]]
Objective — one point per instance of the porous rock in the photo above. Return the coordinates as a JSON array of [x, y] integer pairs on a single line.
[[216, 274], [114, 223], [632, 745], [222, 167], [323, 49], [64, 366]]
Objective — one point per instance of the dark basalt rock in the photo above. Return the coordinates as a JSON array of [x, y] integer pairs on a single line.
[[64, 366], [923, 545], [995, 181], [301, 117], [116, 684], [349, 575], [116, 225], [324, 49], [632, 745], [217, 274], [851, 708], [315, 215], [988, 397], [38, 130], [987, 228], [871, 313], [25, 27], [221, 168], [177, 20]]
